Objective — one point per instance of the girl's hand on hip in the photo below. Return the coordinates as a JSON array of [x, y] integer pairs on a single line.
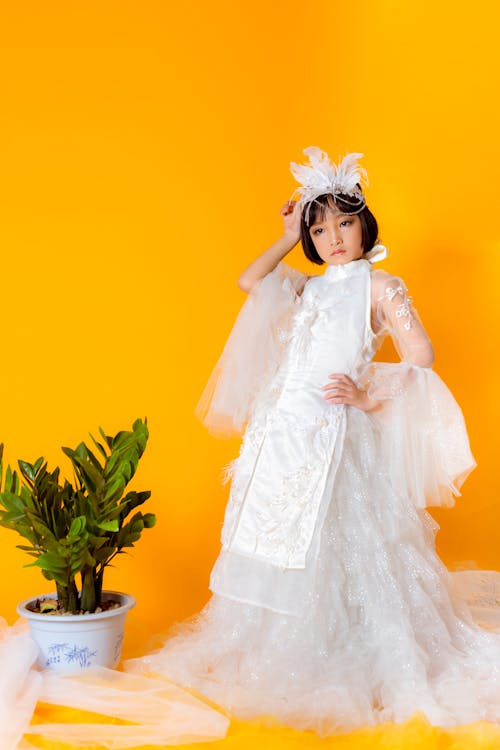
[[343, 390]]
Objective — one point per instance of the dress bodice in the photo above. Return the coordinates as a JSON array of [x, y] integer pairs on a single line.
[[331, 327], [330, 333]]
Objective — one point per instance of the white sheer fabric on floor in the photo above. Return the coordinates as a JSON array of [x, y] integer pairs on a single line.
[[159, 712], [19, 683]]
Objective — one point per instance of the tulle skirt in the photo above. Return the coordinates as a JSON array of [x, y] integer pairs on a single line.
[[384, 629]]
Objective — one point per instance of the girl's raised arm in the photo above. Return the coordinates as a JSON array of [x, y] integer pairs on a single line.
[[269, 259]]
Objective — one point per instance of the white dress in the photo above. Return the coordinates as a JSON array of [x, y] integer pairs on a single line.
[[330, 608]]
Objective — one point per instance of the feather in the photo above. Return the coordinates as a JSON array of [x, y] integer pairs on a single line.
[[227, 471], [322, 176], [349, 173]]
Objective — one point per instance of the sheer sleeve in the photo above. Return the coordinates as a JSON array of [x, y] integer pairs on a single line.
[[252, 352], [396, 316], [425, 441]]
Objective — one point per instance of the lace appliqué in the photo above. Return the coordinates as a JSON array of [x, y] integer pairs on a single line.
[[307, 311], [294, 501], [403, 310], [280, 525]]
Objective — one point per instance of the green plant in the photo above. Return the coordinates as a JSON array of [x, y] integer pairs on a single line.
[[76, 529]]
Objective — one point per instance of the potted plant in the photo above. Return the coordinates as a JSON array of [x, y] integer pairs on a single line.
[[74, 531]]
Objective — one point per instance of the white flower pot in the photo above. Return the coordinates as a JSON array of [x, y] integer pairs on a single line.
[[69, 644]]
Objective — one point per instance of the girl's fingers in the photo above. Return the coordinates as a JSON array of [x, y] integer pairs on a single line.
[[338, 398], [337, 395], [340, 376], [288, 207], [341, 390]]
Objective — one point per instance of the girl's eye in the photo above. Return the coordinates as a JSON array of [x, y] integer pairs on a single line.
[[345, 221]]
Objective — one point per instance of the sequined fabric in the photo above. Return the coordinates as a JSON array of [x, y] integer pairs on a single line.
[[382, 631], [330, 607]]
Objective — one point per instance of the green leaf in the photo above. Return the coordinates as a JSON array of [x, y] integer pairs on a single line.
[[108, 440], [109, 525], [42, 529], [77, 526], [94, 460], [27, 471], [114, 489], [104, 553], [27, 497], [149, 520], [99, 447], [133, 500], [12, 502], [137, 525], [88, 559], [8, 479], [51, 562], [38, 464]]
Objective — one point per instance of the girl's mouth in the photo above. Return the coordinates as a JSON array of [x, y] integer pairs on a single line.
[[338, 252]]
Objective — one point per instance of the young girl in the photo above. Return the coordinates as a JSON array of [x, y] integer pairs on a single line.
[[330, 608]]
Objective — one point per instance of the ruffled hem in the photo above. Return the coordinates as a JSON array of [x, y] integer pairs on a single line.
[[256, 663], [376, 631]]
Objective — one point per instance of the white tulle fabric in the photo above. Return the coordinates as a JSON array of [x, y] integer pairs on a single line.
[[157, 712], [252, 353], [19, 683], [330, 608]]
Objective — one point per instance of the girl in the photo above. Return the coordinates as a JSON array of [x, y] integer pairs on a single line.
[[330, 608]]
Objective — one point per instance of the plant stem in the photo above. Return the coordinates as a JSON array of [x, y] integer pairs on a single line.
[[89, 595], [67, 597]]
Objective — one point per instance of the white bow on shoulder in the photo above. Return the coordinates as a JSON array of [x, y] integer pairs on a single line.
[[378, 252]]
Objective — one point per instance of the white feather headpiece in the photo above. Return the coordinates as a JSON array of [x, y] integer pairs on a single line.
[[321, 176]]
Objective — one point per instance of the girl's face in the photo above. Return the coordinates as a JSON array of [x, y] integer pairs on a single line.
[[337, 237]]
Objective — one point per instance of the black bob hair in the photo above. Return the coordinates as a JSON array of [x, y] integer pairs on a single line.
[[317, 210]]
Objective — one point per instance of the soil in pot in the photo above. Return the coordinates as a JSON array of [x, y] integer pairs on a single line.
[[50, 606]]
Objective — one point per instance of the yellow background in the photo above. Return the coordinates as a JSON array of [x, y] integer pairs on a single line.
[[145, 157]]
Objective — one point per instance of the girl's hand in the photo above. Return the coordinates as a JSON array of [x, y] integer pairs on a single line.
[[344, 391], [291, 218]]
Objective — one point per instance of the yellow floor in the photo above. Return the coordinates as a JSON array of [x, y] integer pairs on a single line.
[[416, 733]]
